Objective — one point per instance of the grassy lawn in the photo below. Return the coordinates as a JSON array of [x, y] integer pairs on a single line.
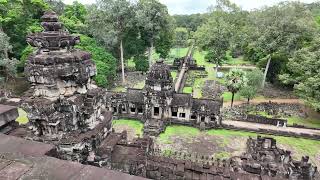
[[227, 96], [298, 146], [131, 64], [22, 119], [197, 87], [174, 74], [187, 90], [236, 61], [119, 89], [174, 53], [135, 124], [308, 122], [177, 130], [140, 85], [178, 52]]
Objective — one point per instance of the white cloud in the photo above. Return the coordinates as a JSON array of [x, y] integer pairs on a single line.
[[201, 6]]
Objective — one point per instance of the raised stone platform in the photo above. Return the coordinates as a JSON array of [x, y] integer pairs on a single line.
[[26, 160], [8, 115]]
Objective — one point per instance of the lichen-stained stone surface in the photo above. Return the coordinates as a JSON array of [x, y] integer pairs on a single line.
[[65, 108], [8, 115], [27, 160], [56, 69]]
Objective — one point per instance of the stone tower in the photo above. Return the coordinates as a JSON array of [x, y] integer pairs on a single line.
[[56, 69], [158, 90], [158, 94], [63, 98]]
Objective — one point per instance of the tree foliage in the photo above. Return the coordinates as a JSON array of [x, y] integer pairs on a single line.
[[190, 22], [73, 17], [18, 18], [56, 6], [304, 73], [153, 18], [105, 62], [141, 63], [7, 65], [215, 35], [109, 20], [235, 80], [181, 37], [254, 81]]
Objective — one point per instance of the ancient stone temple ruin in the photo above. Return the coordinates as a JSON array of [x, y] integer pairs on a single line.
[[64, 106], [158, 104], [67, 111]]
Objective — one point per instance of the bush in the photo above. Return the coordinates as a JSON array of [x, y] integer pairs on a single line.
[[142, 63], [24, 56]]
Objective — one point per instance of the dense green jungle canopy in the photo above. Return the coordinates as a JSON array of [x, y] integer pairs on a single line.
[[286, 32]]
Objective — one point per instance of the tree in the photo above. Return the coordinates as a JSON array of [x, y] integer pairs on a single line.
[[180, 38], [304, 73], [18, 18], [105, 62], [153, 17], [109, 20], [254, 81], [163, 45], [283, 28], [56, 5], [73, 17], [235, 80], [215, 35], [7, 65], [190, 22], [141, 63]]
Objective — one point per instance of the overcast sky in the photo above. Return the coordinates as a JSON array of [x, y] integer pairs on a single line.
[[200, 6]]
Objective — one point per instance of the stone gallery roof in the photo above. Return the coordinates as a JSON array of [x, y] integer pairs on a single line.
[[209, 105], [135, 96], [159, 74], [184, 100], [23, 159]]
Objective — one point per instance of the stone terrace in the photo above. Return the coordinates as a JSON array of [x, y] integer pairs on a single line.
[[22, 159]]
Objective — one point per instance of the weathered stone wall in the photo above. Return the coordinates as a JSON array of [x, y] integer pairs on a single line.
[[139, 159], [281, 109], [273, 132]]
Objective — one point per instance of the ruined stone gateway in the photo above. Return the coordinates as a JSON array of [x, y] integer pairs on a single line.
[[69, 112], [158, 104]]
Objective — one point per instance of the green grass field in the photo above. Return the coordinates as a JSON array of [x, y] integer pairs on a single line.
[[187, 90], [174, 75], [299, 146], [22, 119], [227, 96], [140, 85], [118, 89], [308, 122], [176, 130], [236, 61], [135, 124]]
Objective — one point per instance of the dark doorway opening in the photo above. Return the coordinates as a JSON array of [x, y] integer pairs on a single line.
[[156, 111]]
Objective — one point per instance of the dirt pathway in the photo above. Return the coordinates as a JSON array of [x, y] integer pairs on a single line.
[[257, 101], [239, 66], [255, 126]]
